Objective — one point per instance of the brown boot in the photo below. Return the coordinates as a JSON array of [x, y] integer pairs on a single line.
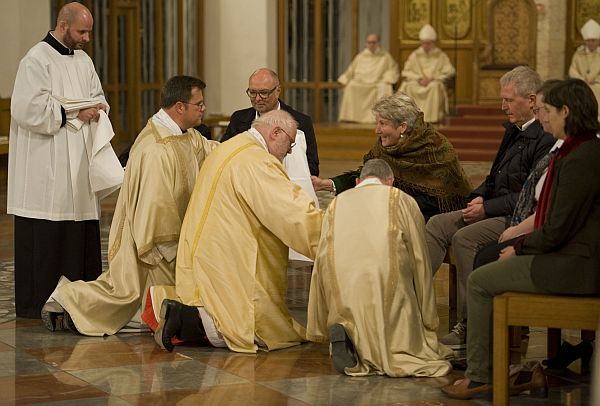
[[533, 381], [464, 389]]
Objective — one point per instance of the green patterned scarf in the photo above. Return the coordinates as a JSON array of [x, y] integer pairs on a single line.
[[424, 162]]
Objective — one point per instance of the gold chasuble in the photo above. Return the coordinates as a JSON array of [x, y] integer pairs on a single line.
[[372, 275], [159, 179], [233, 252]]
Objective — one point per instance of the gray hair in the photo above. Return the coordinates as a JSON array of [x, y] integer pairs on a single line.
[[399, 108], [525, 80], [377, 168], [275, 118]]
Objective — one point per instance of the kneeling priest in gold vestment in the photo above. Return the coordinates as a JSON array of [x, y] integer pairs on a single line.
[[142, 245], [371, 293], [231, 277]]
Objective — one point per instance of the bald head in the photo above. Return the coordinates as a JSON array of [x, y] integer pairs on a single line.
[[263, 90], [71, 11], [74, 25]]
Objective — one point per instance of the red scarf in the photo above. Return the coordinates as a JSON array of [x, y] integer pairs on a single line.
[[543, 206]]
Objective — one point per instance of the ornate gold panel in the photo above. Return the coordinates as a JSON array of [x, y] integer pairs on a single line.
[[489, 86], [513, 22], [416, 14], [584, 10], [456, 18]]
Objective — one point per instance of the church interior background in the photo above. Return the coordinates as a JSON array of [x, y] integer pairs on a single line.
[[138, 44]]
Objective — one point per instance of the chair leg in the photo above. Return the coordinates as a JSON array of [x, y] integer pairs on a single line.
[[553, 342], [500, 352]]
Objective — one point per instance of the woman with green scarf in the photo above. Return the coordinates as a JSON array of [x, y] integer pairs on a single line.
[[424, 162]]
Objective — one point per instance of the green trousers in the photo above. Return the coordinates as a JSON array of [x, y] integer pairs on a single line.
[[509, 275]]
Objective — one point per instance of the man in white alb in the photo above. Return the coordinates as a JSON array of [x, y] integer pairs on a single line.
[[56, 101], [369, 77]]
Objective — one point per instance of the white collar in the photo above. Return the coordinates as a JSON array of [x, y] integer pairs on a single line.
[[254, 132], [163, 119], [527, 124], [369, 181]]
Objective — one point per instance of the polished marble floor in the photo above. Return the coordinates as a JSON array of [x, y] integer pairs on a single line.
[[44, 368]]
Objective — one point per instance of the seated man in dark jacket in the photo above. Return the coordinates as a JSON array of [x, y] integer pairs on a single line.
[[263, 91], [491, 204]]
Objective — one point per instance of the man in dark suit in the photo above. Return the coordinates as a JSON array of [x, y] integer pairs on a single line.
[[263, 91]]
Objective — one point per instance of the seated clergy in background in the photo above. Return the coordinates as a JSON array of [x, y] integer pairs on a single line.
[[142, 243], [369, 77], [233, 252], [371, 291], [586, 59], [263, 91], [424, 74], [423, 161]]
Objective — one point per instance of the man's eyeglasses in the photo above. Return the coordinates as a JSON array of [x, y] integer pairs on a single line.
[[199, 104], [263, 94], [292, 142], [535, 110]]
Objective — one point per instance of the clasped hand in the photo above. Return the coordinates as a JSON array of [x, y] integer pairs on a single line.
[[474, 211], [91, 113]]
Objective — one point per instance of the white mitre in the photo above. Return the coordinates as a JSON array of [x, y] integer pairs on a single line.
[[427, 33], [590, 30]]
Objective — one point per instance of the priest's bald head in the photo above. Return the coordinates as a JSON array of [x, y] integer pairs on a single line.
[[278, 129], [74, 25]]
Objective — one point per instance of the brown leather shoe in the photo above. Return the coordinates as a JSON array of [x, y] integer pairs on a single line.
[[460, 389], [533, 381]]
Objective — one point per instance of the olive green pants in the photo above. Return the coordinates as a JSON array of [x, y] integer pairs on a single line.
[[495, 278]]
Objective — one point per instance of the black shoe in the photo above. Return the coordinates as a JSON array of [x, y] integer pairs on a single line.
[[52, 316], [342, 349], [170, 323], [569, 353], [69, 324]]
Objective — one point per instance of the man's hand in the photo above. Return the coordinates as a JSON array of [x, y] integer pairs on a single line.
[[474, 211], [424, 81], [90, 114], [321, 184], [507, 252]]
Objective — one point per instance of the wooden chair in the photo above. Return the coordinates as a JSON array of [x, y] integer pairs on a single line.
[[449, 259], [523, 309]]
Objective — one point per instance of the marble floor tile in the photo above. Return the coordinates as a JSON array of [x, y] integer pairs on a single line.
[[307, 360], [147, 378], [231, 395], [19, 363], [43, 388]]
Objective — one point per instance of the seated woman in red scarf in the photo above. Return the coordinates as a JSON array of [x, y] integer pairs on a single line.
[[424, 162], [565, 240]]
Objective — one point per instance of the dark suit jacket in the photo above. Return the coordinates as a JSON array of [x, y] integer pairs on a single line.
[[516, 157], [567, 246], [241, 120]]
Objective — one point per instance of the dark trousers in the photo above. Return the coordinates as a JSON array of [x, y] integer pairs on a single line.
[[45, 250], [491, 252]]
